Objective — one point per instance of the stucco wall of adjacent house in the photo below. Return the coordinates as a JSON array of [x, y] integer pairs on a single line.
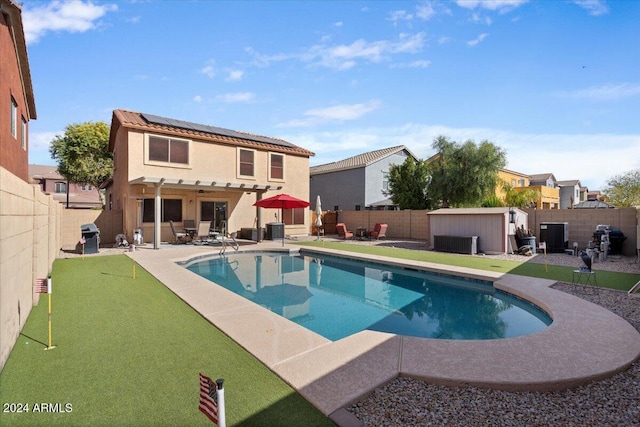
[[344, 189], [207, 162], [13, 156], [375, 176]]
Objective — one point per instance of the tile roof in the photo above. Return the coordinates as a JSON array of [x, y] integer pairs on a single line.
[[179, 128], [568, 183], [541, 177], [358, 161], [44, 172]]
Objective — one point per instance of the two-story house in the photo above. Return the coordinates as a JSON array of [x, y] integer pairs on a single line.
[[548, 191], [72, 195], [16, 92], [570, 192], [173, 170], [358, 182]]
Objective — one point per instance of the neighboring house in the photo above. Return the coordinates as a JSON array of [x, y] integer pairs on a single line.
[[359, 182], [167, 169], [51, 182], [595, 195], [548, 192], [16, 92], [515, 180], [569, 193]]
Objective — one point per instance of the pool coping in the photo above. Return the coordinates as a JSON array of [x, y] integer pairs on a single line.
[[575, 349]]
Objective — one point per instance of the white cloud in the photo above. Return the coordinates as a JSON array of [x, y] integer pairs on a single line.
[[197, 98], [415, 64], [500, 5], [209, 69], [73, 16], [425, 11], [343, 57], [606, 92], [399, 15], [476, 41], [239, 97], [235, 75], [336, 113], [594, 7]]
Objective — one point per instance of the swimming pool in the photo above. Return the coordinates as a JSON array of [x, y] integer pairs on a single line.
[[337, 297]]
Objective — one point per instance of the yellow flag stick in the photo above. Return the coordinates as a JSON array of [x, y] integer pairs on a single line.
[[49, 347]]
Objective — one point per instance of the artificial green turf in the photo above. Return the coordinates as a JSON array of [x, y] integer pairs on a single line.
[[608, 279], [128, 353]]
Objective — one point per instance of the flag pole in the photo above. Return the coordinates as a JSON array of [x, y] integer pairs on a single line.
[[220, 395], [132, 248], [49, 347]]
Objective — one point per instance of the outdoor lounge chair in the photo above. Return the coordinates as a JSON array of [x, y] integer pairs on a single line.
[[343, 232], [379, 231], [204, 235], [181, 237]]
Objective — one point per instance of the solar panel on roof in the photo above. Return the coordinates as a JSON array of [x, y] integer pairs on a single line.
[[151, 118]]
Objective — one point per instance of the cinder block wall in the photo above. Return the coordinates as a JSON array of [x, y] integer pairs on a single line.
[[583, 223], [405, 224], [108, 222], [408, 224], [28, 246]]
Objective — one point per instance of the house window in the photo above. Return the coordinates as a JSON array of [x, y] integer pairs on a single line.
[[513, 182], [23, 136], [385, 181], [276, 166], [521, 182], [168, 150], [246, 159], [171, 210], [358, 207], [61, 187], [14, 118], [293, 216]]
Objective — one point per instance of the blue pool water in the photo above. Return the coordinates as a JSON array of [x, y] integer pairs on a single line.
[[336, 297]]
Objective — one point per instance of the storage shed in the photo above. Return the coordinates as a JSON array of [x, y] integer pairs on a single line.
[[492, 226]]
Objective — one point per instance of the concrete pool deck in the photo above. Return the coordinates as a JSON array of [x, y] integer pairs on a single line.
[[585, 342]]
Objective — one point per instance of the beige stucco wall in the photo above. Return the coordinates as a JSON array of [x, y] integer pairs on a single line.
[[29, 239], [207, 162]]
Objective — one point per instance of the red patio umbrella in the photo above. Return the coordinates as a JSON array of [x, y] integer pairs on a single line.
[[281, 201]]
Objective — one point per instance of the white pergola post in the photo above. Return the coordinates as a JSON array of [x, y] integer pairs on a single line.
[[157, 218]]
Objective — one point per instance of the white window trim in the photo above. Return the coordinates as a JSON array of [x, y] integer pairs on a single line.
[[169, 164], [284, 166], [14, 118], [238, 174], [23, 134]]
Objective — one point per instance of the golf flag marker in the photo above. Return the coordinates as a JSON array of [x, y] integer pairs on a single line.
[[212, 400], [43, 286]]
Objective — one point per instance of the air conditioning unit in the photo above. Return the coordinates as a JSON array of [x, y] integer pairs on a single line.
[[556, 236]]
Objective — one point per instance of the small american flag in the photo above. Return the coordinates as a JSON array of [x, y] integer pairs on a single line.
[[208, 404], [83, 240], [42, 286]]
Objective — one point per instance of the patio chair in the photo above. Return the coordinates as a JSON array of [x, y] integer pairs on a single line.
[[343, 232], [181, 237], [189, 223], [379, 231], [203, 234]]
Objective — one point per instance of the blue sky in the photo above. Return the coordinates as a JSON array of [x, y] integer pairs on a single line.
[[555, 83]]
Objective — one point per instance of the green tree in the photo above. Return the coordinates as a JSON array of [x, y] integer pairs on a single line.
[[409, 183], [624, 190], [524, 198], [465, 174], [83, 153]]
